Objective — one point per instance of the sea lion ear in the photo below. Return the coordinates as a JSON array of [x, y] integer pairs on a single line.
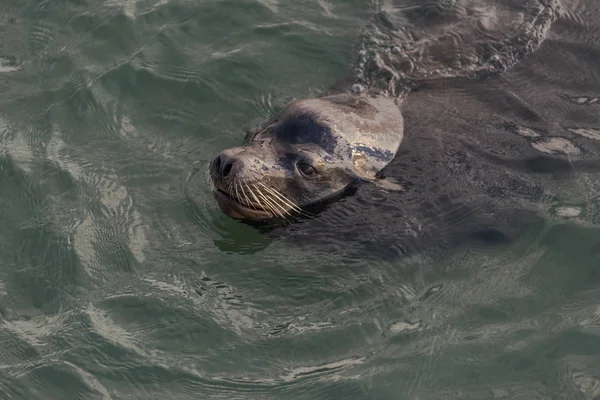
[[383, 182], [379, 180], [388, 183], [250, 134]]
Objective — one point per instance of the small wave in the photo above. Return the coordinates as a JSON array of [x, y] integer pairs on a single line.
[[9, 65]]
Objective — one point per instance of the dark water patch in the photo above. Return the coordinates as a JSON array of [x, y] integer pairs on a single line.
[[47, 286]]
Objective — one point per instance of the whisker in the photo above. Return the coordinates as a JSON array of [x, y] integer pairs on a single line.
[[293, 206], [228, 187], [271, 201], [285, 200], [246, 199], [281, 197], [266, 207], [274, 204], [301, 211], [256, 204], [274, 200], [289, 202], [237, 193]]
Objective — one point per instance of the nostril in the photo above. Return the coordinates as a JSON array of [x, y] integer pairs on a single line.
[[227, 168], [222, 166], [217, 164]]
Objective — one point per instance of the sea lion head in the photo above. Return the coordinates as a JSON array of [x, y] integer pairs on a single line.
[[311, 151]]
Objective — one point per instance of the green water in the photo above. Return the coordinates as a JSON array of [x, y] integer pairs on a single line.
[[113, 285]]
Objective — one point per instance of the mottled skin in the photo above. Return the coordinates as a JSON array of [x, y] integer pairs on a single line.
[[316, 148]]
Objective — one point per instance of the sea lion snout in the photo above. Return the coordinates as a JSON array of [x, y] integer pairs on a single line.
[[241, 164], [227, 165]]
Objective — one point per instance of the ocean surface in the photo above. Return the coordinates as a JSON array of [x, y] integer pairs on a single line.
[[121, 279]]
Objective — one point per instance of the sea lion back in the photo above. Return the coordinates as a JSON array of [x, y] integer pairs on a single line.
[[411, 41]]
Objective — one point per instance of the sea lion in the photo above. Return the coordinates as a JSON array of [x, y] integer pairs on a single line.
[[314, 149]]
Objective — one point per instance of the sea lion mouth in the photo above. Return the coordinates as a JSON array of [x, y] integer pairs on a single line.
[[238, 208]]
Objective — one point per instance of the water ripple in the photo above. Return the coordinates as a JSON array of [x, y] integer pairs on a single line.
[[121, 278]]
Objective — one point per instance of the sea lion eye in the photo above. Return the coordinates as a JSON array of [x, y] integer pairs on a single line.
[[307, 170]]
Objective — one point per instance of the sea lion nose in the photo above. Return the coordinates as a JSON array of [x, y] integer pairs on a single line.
[[222, 165]]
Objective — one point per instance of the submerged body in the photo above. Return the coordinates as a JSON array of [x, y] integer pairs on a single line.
[[316, 148]]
